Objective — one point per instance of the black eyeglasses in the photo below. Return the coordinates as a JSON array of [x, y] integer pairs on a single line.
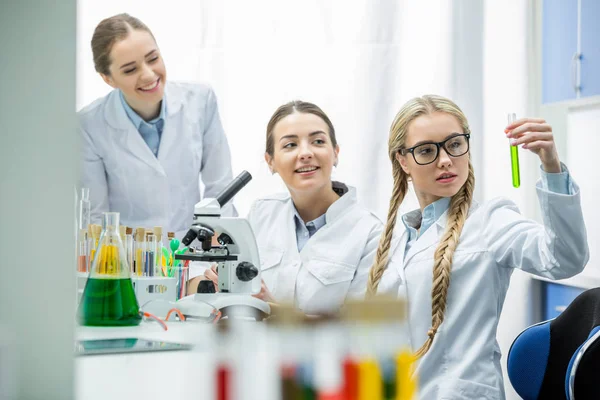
[[426, 153]]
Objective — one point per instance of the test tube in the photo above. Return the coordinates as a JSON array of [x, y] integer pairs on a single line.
[[82, 251], [94, 232], [129, 247], [90, 245], [159, 251], [328, 361], [514, 157], [140, 247], [150, 257], [122, 232], [97, 231], [84, 208], [171, 257]]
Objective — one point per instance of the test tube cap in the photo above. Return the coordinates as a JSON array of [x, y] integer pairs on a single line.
[[380, 308], [139, 234]]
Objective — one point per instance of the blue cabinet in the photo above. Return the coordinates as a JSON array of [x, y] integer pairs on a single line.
[[559, 46], [556, 298], [570, 49], [590, 48]]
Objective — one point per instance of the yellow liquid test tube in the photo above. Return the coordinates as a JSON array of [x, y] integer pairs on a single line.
[[94, 234], [370, 382], [112, 265], [101, 260], [406, 383], [92, 254], [514, 157], [139, 261]]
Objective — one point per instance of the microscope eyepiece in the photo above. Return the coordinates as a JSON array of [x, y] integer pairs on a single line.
[[203, 233], [189, 236], [234, 186]]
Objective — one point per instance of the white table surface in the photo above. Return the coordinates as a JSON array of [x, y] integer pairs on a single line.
[[150, 375]]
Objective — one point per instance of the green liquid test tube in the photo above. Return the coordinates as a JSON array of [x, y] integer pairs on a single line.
[[514, 157]]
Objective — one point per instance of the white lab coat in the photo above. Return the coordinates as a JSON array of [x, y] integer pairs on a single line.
[[464, 360], [332, 265], [124, 175]]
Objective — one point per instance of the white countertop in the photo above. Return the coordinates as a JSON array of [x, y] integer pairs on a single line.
[[152, 375]]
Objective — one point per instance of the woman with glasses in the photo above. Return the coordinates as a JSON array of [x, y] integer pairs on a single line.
[[452, 259]]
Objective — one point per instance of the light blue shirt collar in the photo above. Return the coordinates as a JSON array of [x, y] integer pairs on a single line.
[[138, 121], [305, 231], [415, 220]]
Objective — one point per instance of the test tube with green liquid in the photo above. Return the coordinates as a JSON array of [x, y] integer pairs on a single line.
[[514, 157]]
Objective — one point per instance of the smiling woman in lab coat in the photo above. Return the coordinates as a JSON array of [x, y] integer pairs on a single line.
[[452, 260], [316, 243], [147, 143]]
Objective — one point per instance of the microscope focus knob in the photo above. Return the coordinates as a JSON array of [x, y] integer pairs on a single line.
[[246, 271], [206, 286]]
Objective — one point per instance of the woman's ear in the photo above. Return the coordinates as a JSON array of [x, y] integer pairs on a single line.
[[269, 161], [402, 161], [336, 151], [109, 80]]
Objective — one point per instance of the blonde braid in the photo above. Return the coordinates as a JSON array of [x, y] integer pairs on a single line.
[[381, 257], [457, 215]]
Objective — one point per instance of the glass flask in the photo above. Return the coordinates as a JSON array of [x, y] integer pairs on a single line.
[[108, 298]]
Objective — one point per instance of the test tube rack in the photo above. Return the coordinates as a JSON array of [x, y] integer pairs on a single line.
[[147, 288]]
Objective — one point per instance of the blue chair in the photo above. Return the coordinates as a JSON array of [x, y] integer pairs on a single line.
[[560, 358]]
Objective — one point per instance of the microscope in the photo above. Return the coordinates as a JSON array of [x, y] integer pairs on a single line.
[[238, 264]]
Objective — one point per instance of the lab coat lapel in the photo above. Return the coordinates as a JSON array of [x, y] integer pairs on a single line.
[[127, 134], [286, 286], [429, 238], [397, 251], [168, 138], [167, 141]]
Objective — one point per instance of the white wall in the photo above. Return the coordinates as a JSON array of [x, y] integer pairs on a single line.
[[508, 68], [37, 175], [359, 61]]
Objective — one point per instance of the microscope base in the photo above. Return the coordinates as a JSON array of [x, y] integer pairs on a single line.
[[231, 305]]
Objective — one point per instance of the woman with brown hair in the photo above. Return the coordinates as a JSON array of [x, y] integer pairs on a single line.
[[147, 144], [316, 243], [452, 259]]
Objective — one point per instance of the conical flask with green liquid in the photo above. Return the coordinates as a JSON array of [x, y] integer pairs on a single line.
[[108, 298]]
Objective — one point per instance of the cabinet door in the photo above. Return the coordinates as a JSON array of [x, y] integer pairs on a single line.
[[559, 44], [557, 298], [590, 48]]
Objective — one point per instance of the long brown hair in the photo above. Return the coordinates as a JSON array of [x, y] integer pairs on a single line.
[[457, 213], [107, 33]]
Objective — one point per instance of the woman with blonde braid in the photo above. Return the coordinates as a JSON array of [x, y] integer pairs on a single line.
[[453, 258]]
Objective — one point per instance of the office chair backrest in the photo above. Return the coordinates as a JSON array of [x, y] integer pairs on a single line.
[[540, 357]]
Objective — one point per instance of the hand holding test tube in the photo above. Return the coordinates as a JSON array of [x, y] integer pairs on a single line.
[[514, 157]]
